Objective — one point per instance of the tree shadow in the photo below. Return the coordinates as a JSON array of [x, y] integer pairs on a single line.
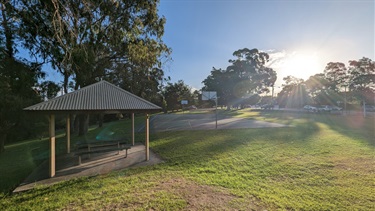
[[354, 126], [201, 146], [44, 190]]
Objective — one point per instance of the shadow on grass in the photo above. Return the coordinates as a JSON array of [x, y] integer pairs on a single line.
[[202, 146], [352, 126], [47, 190]]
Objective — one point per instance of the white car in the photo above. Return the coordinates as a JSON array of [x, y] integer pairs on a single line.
[[336, 108], [369, 108], [325, 108], [310, 108]]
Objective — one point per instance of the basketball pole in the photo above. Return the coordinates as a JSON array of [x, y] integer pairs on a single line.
[[216, 111]]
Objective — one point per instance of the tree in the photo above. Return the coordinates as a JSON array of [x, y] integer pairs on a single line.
[[219, 81], [48, 89], [293, 94], [321, 92], [253, 99], [196, 97], [362, 79], [147, 85], [250, 74], [336, 75], [17, 79], [358, 78], [246, 75], [362, 73], [88, 40], [16, 82], [174, 93]]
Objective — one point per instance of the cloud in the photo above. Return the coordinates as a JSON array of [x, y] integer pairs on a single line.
[[277, 58]]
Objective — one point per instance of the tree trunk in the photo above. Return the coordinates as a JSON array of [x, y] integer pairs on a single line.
[[65, 83], [8, 33], [3, 137], [83, 124], [86, 124]]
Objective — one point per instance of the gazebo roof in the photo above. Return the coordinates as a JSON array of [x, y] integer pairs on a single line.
[[99, 97]]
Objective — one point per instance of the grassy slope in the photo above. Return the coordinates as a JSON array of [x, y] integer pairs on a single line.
[[323, 162]]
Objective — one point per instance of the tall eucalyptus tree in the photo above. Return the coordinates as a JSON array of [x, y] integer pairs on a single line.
[[17, 80], [246, 75], [89, 40]]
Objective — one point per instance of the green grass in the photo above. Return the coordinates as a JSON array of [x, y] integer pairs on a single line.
[[323, 162]]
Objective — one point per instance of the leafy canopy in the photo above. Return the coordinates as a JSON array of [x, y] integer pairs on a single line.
[[245, 76]]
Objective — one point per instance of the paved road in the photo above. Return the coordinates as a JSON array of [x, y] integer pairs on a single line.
[[174, 122]]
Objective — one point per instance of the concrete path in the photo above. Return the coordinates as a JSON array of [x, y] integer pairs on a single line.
[[67, 167]]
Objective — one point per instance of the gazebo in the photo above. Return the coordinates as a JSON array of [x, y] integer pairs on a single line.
[[101, 97]]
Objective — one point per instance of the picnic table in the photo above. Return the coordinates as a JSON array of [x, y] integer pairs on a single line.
[[101, 146]]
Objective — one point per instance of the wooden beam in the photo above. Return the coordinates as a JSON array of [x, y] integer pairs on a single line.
[[68, 134], [147, 131], [133, 129], [52, 140]]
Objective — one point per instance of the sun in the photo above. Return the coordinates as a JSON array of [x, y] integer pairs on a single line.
[[301, 65]]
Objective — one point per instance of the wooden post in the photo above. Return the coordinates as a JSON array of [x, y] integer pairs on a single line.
[[52, 139], [68, 134], [133, 129], [147, 137]]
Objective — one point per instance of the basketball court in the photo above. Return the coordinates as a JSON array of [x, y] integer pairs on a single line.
[[177, 122]]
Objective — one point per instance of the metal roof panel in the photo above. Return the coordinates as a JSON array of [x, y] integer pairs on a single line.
[[101, 96]]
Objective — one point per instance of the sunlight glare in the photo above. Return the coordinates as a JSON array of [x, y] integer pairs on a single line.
[[302, 65]]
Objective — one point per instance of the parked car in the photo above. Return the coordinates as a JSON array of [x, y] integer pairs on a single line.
[[310, 108], [324, 108], [336, 108], [307, 107], [369, 108], [267, 106], [192, 107]]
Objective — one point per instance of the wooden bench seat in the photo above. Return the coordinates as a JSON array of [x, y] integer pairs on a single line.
[[100, 147], [93, 144]]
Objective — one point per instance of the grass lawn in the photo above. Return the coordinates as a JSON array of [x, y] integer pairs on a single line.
[[323, 162]]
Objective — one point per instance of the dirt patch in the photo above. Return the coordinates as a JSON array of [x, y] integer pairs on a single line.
[[204, 197], [363, 165], [194, 195]]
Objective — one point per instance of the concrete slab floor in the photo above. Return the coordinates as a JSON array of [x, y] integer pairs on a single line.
[[67, 167]]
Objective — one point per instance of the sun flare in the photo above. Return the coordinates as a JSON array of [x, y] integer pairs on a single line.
[[301, 65]]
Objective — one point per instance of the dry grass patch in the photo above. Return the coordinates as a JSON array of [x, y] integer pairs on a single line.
[[204, 197], [362, 165]]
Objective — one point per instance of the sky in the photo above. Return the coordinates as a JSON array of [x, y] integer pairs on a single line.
[[300, 36]]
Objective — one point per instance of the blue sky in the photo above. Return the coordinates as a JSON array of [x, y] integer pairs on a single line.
[[301, 36]]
